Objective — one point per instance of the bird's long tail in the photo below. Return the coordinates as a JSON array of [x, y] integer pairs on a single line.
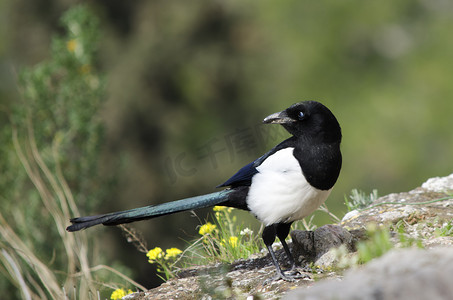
[[151, 211]]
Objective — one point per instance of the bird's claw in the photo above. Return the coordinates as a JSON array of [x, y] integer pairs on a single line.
[[292, 275], [300, 270]]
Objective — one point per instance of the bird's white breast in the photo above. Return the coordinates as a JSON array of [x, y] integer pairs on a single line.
[[279, 191]]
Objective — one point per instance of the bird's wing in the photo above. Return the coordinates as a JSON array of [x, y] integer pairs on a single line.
[[243, 177]]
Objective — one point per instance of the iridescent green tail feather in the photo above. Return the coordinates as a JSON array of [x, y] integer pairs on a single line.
[[152, 211]]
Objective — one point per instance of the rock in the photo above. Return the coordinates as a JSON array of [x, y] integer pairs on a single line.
[[328, 260], [439, 184], [310, 246], [401, 274], [411, 207]]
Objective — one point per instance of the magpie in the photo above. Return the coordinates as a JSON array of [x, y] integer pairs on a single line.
[[286, 184]]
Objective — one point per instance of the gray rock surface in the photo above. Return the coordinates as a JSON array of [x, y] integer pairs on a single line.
[[439, 184], [400, 274]]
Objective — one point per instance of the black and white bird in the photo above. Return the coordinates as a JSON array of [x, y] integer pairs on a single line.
[[286, 184]]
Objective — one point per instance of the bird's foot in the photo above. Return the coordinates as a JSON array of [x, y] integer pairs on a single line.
[[298, 273], [292, 275], [299, 270]]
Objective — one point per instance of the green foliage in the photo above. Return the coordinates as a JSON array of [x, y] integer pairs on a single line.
[[60, 105], [405, 240], [446, 229], [228, 241], [377, 244], [50, 156], [225, 241], [358, 199]]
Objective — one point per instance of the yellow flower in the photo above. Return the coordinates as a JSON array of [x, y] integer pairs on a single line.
[[222, 208], [233, 241], [219, 208], [154, 254], [207, 228], [85, 69], [120, 293], [71, 45], [172, 252]]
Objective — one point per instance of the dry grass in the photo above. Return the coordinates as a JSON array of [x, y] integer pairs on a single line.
[[20, 262]]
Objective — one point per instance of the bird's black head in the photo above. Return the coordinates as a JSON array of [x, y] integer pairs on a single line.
[[309, 119]]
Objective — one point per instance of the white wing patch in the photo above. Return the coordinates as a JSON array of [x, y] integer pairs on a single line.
[[279, 191]]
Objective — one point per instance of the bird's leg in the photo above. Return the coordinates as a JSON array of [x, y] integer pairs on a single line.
[[269, 234], [282, 231]]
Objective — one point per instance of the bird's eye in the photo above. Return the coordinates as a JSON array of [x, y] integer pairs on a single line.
[[301, 115]]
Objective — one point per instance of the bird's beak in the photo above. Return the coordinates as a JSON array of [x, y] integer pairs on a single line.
[[278, 118]]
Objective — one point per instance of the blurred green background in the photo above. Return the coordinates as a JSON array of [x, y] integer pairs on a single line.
[[188, 83]]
